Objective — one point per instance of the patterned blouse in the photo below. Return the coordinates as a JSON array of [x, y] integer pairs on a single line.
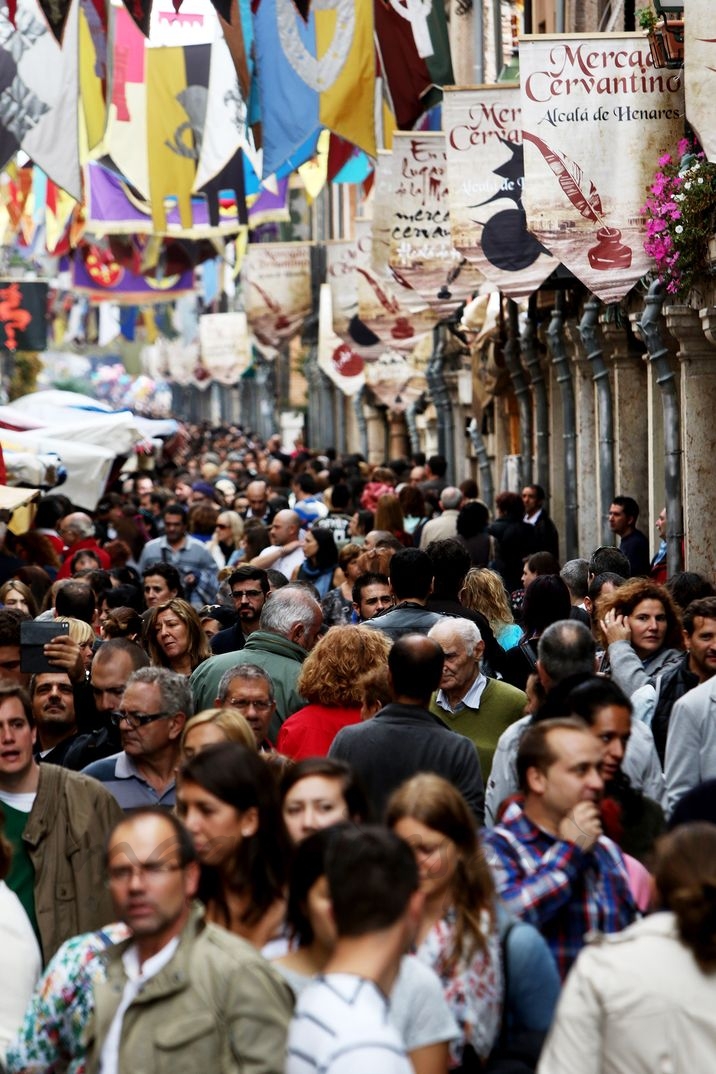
[[53, 1033], [474, 990]]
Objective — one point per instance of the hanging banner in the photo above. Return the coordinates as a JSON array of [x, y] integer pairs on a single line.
[[225, 348], [23, 316], [596, 117], [277, 289], [342, 257], [485, 167], [414, 48], [38, 103], [97, 274], [177, 361], [393, 312], [700, 73], [337, 358], [395, 381], [312, 73], [422, 255]]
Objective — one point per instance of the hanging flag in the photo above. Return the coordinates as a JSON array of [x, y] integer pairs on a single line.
[[422, 255], [276, 285], [97, 274], [700, 73], [395, 381], [23, 315], [342, 280], [414, 50], [38, 105], [485, 170], [92, 64], [56, 12], [337, 358], [225, 346], [125, 139], [314, 73], [223, 131], [270, 206], [177, 90], [596, 116]]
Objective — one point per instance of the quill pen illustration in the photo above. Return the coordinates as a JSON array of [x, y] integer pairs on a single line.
[[580, 190]]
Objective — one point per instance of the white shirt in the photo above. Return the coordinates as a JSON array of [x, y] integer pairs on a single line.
[[471, 700], [21, 965], [342, 1026], [287, 563], [137, 977], [22, 801]]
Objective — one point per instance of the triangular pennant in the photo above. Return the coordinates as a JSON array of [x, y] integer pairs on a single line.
[[141, 12], [56, 12]]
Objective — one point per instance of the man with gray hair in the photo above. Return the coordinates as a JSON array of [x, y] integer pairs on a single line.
[[249, 690], [155, 706], [467, 701], [445, 525], [566, 655], [290, 621], [78, 532]]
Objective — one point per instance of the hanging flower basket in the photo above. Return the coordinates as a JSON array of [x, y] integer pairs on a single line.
[[666, 43]]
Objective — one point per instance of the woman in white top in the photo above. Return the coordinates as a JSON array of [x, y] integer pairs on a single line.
[[20, 955], [643, 1001]]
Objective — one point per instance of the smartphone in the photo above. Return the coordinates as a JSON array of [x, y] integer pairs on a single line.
[[34, 636]]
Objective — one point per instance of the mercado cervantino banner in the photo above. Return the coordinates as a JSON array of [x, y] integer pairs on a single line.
[[396, 314], [700, 73], [277, 289], [596, 117], [485, 167], [336, 358], [422, 255]]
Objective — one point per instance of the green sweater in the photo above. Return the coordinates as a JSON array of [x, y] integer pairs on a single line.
[[500, 705]]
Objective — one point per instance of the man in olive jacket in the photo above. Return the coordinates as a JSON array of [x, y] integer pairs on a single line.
[[181, 995], [57, 823]]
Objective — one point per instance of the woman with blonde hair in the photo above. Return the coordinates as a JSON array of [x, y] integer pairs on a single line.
[[85, 637], [458, 936], [15, 594], [225, 544], [644, 999], [174, 638], [211, 726], [329, 681], [484, 591]]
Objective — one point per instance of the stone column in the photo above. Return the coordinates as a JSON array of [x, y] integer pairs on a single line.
[[588, 532], [696, 334], [631, 426], [397, 435]]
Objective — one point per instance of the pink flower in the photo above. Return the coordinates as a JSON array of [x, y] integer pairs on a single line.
[[664, 160]]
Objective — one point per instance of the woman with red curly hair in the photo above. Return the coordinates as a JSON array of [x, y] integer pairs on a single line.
[[329, 681], [642, 630]]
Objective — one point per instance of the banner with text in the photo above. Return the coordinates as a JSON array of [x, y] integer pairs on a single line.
[[485, 168], [700, 73], [422, 255], [596, 117], [277, 289]]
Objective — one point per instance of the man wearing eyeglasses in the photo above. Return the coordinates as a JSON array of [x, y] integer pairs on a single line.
[[249, 690], [181, 994], [155, 706], [249, 588]]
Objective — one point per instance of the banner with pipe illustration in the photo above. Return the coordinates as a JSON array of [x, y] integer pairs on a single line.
[[485, 168], [422, 255], [225, 346], [700, 73], [276, 278], [337, 358], [596, 117]]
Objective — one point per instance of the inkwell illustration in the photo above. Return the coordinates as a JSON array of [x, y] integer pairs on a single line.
[[610, 252], [402, 328], [506, 242]]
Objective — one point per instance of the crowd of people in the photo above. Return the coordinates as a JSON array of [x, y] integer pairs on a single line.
[[307, 765]]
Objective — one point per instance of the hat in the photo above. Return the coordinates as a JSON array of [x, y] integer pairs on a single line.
[[204, 488]]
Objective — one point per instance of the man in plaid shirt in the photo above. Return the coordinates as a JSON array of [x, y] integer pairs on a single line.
[[552, 865]]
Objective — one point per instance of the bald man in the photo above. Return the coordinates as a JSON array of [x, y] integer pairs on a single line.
[[286, 550]]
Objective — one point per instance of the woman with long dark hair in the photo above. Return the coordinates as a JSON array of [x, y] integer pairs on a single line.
[[229, 802], [458, 936], [320, 566]]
